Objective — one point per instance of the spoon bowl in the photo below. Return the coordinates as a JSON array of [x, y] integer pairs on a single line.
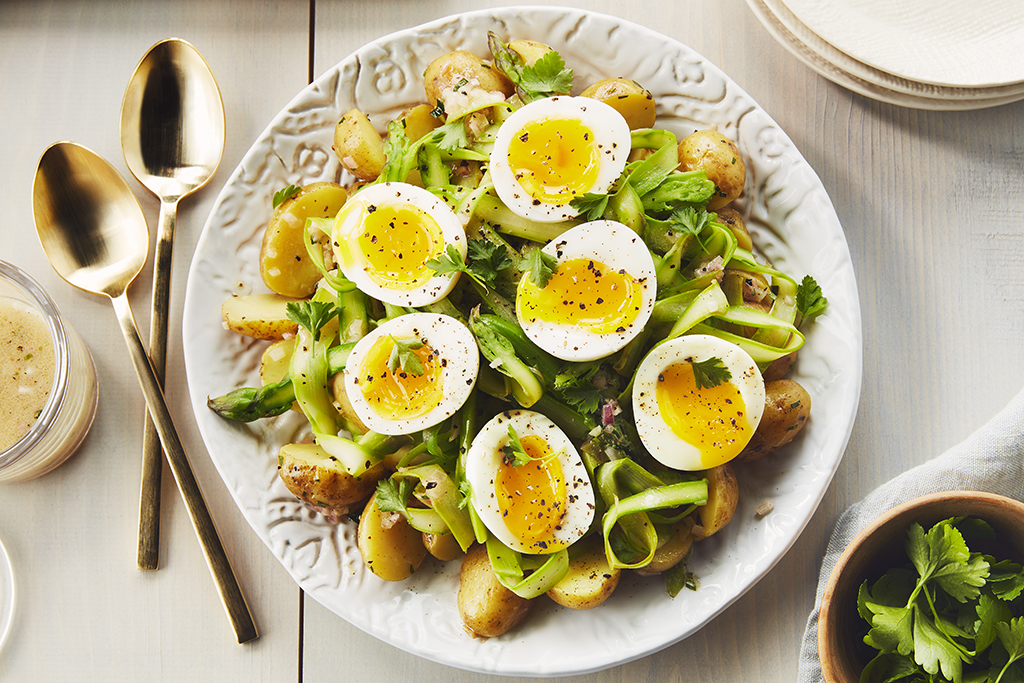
[[95, 236], [172, 138], [90, 224]]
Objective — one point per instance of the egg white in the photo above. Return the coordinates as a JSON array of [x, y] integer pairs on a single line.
[[656, 435], [618, 248], [458, 357], [611, 136], [485, 457], [353, 262]]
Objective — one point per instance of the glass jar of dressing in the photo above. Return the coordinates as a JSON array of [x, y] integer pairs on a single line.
[[47, 381]]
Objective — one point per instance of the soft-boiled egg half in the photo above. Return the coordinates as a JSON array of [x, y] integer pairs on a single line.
[[411, 373], [599, 298], [690, 427], [537, 507], [552, 150], [385, 235]]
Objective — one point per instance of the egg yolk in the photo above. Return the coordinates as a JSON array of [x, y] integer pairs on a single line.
[[713, 420], [532, 497], [554, 160], [396, 242], [583, 293], [399, 395]]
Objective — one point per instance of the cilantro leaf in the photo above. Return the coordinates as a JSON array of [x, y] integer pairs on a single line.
[[710, 373], [514, 454], [403, 357], [281, 196], [541, 267], [312, 315], [809, 299], [393, 495]]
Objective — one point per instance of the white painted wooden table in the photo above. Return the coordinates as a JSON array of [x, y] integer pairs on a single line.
[[931, 202]]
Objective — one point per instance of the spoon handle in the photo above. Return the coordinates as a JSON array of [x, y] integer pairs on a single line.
[[152, 460], [216, 558]]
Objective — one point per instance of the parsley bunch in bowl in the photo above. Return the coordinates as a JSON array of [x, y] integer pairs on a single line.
[[932, 591]]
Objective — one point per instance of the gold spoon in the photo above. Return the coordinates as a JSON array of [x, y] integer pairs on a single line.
[[172, 138], [95, 236]]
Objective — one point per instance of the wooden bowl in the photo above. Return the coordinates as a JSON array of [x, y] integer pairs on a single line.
[[878, 548]]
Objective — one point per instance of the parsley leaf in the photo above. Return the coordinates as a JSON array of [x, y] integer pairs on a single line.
[[689, 221], [541, 267], [392, 495], [591, 205], [514, 454], [809, 299], [487, 259], [1011, 636], [586, 399], [451, 136], [403, 357], [281, 196], [312, 315], [547, 76], [710, 373]]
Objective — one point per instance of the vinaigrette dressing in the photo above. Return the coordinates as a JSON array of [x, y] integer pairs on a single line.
[[26, 370]]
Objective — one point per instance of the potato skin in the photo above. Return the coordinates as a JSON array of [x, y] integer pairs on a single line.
[[418, 121], [629, 98], [720, 158], [315, 477], [487, 608], [732, 219], [442, 546], [589, 582], [261, 316], [673, 552], [358, 145], [391, 548], [723, 497], [458, 80], [779, 367], [529, 50], [786, 409], [285, 265]]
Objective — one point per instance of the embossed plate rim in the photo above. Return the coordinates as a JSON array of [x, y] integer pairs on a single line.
[[784, 201]]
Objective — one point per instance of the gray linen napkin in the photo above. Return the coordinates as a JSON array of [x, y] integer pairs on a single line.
[[991, 459]]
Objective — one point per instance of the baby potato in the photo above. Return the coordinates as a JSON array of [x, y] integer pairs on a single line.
[[358, 145], [672, 552], [391, 548], [261, 316], [442, 546], [344, 405], [779, 367], [487, 608], [629, 98], [529, 50], [418, 121], [723, 497], [720, 158], [589, 582], [787, 406], [732, 219], [462, 81], [317, 478], [285, 265]]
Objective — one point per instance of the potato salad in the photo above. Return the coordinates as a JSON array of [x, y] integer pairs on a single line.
[[530, 334]]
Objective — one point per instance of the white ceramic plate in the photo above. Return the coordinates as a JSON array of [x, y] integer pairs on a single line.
[[844, 70], [942, 43], [6, 595], [793, 223]]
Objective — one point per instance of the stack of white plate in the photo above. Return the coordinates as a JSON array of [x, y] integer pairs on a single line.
[[926, 54]]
